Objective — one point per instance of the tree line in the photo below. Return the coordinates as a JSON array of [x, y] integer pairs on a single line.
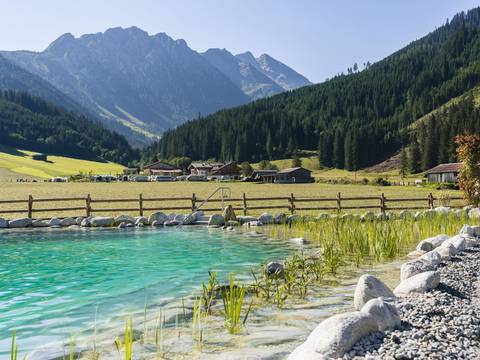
[[354, 120]]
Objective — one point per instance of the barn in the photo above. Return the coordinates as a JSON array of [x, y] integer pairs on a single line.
[[444, 173], [296, 175], [162, 169]]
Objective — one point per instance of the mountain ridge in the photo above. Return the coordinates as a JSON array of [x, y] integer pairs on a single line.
[[139, 84]]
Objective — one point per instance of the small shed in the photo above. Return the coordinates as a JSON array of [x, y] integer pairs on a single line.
[[444, 173], [296, 175], [39, 157]]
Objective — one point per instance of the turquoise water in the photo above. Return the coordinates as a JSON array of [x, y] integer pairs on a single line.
[[56, 283]]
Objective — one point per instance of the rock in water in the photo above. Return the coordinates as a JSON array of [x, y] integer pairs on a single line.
[[229, 214], [369, 287], [333, 337], [419, 283], [126, 219], [3, 223], [266, 218], [216, 220], [159, 217], [274, 269], [386, 315], [68, 221], [54, 222]]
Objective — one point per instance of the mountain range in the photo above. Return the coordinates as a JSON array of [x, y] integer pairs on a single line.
[[141, 85]]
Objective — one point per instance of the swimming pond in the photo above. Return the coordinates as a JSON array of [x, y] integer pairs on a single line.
[[54, 284]]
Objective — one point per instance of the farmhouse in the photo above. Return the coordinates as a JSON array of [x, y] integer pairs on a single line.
[[296, 175], [217, 169], [264, 175], [162, 169], [444, 173]]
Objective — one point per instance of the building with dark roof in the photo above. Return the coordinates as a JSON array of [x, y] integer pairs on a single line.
[[444, 173], [296, 175], [162, 169]]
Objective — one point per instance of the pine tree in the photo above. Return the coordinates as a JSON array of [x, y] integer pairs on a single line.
[[403, 162], [414, 158]]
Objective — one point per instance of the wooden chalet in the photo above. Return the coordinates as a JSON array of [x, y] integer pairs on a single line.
[[444, 173], [219, 169], [296, 175], [162, 169]]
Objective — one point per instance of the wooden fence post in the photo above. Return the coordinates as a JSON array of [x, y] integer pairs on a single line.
[[430, 201], [382, 203], [140, 204], [339, 202], [292, 204], [88, 207], [244, 204], [194, 200], [30, 206]]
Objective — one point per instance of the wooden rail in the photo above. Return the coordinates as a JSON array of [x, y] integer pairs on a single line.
[[87, 206]]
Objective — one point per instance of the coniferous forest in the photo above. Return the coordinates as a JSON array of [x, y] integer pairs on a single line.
[[353, 120], [28, 122]]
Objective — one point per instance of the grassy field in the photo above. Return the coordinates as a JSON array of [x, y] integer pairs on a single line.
[[14, 190], [19, 163]]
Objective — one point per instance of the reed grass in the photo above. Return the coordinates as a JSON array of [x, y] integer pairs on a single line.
[[233, 298], [127, 346]]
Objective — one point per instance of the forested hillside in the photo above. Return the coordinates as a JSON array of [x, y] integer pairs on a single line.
[[354, 120], [30, 123]]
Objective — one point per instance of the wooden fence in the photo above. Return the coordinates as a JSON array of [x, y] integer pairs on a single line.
[[87, 206]]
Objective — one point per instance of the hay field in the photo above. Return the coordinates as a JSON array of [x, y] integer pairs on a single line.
[[13, 190]]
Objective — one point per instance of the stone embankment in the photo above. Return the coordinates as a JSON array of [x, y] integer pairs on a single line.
[[433, 313]]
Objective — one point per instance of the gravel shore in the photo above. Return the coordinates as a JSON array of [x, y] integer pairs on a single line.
[[441, 324]]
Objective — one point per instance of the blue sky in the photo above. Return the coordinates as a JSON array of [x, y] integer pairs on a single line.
[[317, 38]]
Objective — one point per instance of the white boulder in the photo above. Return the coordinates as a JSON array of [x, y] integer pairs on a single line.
[[266, 218], [298, 241], [369, 287], [101, 221], [335, 336], [368, 216], [432, 258], [216, 220], [457, 241], [68, 221], [424, 245], [159, 217], [54, 222], [442, 210], [242, 219], [414, 267], [467, 230], [79, 220], [40, 223], [447, 251], [3, 223], [385, 314], [124, 219], [419, 283], [280, 218], [20, 223], [474, 213], [404, 214]]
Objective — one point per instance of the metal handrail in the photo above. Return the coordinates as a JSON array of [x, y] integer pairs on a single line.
[[222, 188]]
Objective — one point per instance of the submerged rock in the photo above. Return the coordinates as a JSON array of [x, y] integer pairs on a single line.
[[369, 287], [274, 269]]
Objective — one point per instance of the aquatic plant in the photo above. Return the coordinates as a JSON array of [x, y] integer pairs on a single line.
[[128, 339], [233, 297], [208, 292]]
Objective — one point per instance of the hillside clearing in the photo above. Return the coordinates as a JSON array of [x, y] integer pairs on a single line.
[[19, 162]]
